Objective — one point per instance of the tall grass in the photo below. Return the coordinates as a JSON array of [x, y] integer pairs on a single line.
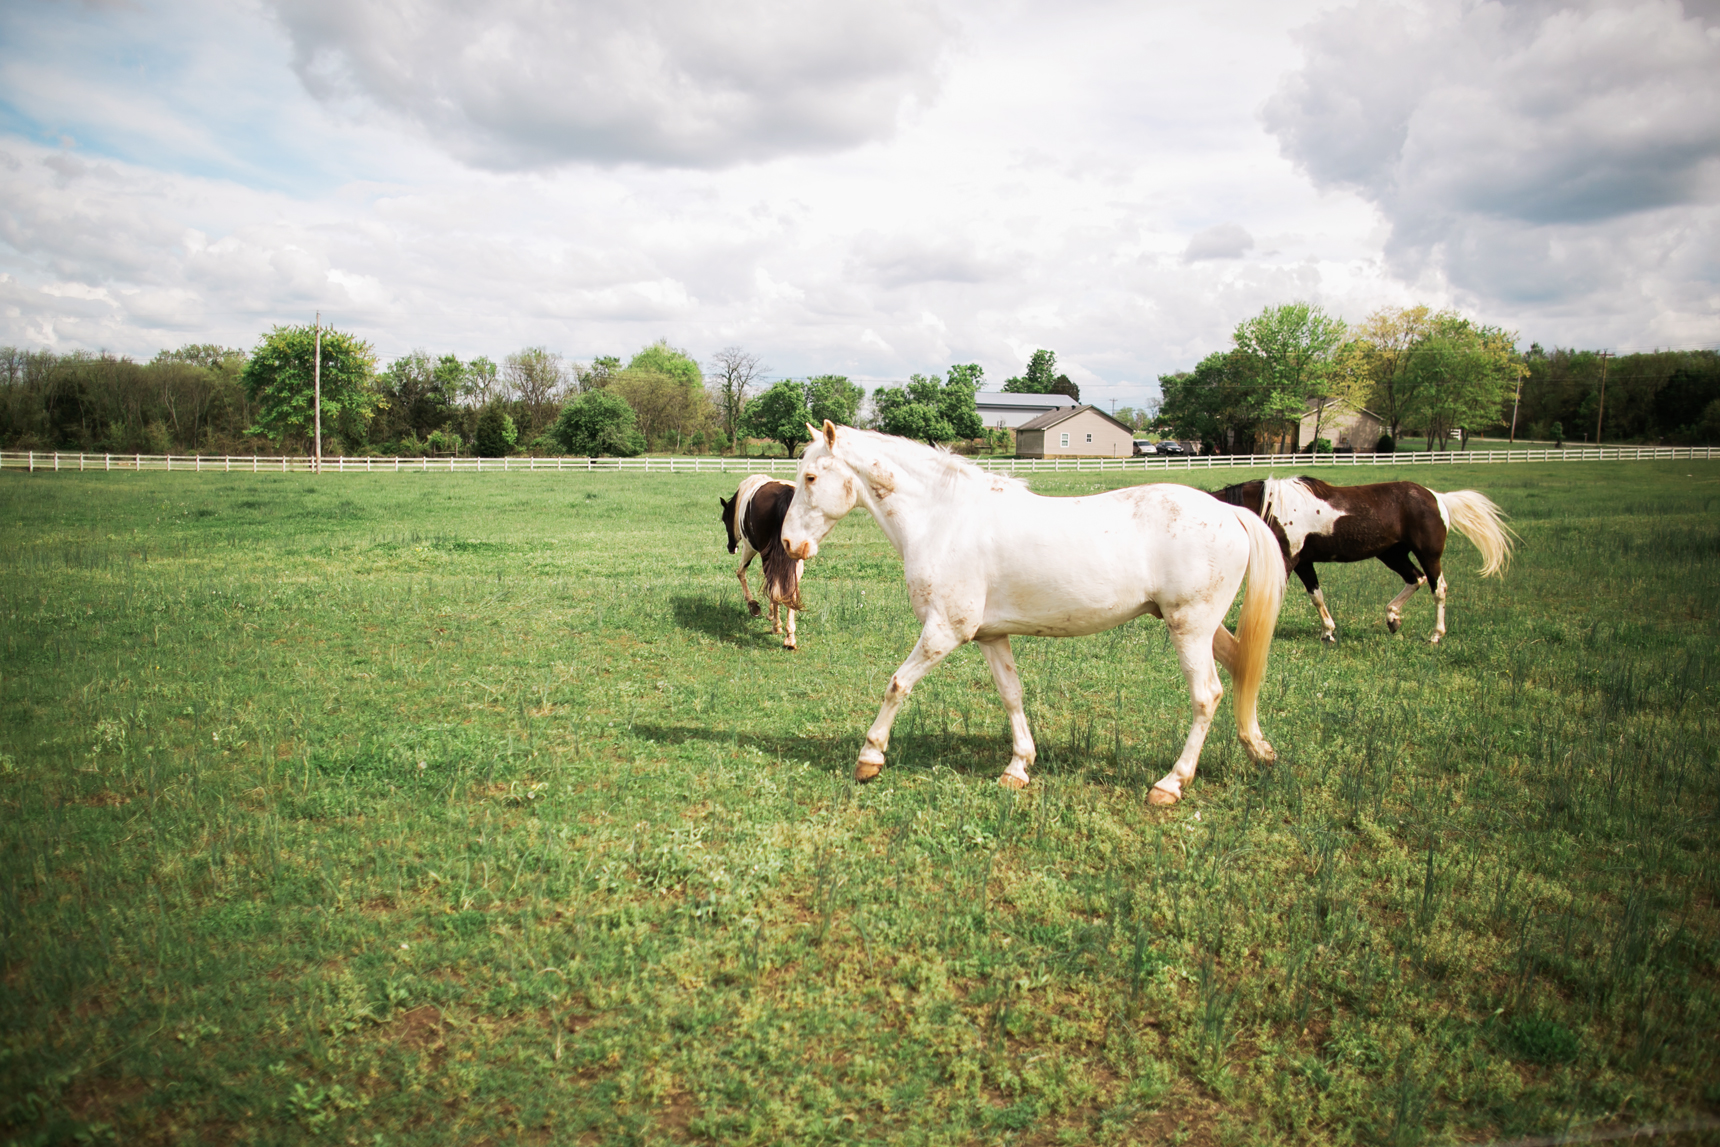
[[440, 808]]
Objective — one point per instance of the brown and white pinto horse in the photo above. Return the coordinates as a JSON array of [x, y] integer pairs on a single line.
[[753, 518], [1318, 522]]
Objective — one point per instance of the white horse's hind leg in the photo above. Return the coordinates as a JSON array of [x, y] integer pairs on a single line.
[[1195, 651], [1022, 754], [1394, 608], [936, 643], [1439, 610]]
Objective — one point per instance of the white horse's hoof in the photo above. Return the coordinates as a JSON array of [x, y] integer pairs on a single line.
[[1011, 781], [1158, 796]]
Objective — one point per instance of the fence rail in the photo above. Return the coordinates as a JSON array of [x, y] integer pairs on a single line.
[[39, 461]]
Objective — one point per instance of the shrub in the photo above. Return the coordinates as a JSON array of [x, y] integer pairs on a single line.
[[1322, 445], [496, 434], [442, 442], [1385, 445], [597, 423]]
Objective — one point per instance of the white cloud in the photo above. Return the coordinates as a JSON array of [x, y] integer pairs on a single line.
[[1534, 156], [517, 84], [1220, 241]]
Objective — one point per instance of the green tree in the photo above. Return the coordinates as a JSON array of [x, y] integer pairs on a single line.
[[598, 423], [833, 397], [479, 382], [669, 408], [1461, 376], [1040, 377], [418, 395], [1389, 338], [665, 359], [278, 379], [779, 414], [930, 409], [496, 434], [1290, 353], [782, 412], [598, 374], [1214, 404]]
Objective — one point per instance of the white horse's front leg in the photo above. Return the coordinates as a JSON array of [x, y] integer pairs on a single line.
[[1394, 608], [936, 643], [1022, 754], [1195, 652]]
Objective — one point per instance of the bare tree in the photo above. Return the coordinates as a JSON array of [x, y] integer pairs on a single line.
[[535, 378], [733, 373]]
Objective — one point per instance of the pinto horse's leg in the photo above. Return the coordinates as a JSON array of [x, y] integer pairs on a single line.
[[1311, 582], [1002, 662], [1195, 634], [775, 618], [936, 643], [746, 590], [788, 639], [1397, 560], [1436, 579]]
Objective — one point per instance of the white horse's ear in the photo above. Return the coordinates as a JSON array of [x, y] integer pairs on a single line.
[[830, 433], [812, 430]]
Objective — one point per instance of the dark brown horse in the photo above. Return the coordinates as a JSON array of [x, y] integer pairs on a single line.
[[1392, 521], [753, 518]]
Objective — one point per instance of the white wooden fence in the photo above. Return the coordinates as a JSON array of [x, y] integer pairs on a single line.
[[52, 461]]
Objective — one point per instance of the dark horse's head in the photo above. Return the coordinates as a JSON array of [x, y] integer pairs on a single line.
[[729, 523]]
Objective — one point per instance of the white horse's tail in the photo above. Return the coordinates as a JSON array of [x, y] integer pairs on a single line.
[[1482, 522], [1260, 605]]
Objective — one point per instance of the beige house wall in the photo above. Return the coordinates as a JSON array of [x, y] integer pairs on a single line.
[[1090, 435], [1357, 429]]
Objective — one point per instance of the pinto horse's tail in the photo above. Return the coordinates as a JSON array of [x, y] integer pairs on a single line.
[[1260, 604], [781, 574], [1482, 522]]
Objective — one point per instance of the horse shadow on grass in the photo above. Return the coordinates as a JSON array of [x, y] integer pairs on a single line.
[[975, 755], [723, 620]]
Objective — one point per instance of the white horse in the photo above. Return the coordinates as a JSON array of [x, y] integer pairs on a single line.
[[985, 558]]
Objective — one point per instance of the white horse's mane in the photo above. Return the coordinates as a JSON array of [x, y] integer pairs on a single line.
[[951, 470]]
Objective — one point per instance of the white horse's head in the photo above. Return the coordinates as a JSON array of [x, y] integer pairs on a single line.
[[825, 490]]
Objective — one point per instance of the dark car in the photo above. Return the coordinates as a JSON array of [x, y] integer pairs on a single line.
[[1170, 447]]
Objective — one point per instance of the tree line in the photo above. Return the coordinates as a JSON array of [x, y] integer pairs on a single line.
[[1433, 375], [220, 400]]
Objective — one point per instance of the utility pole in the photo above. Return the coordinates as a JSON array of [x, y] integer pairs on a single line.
[[1516, 398], [316, 373], [1601, 412]]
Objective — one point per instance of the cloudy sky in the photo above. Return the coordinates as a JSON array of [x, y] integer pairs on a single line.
[[870, 187]]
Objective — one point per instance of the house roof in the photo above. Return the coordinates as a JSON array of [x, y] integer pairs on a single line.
[[1031, 401], [1053, 417]]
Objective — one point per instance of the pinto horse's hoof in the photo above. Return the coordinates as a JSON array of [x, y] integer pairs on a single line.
[[1158, 796], [866, 771], [752, 608], [1329, 637], [789, 645], [1393, 624]]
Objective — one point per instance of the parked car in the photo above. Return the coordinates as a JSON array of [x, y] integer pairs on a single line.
[[1170, 447], [1142, 446]]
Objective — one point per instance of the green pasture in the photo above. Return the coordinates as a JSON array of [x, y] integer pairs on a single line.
[[474, 809]]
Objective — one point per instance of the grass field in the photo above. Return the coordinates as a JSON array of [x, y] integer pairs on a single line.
[[437, 809]]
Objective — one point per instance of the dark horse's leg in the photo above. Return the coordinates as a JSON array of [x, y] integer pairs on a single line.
[[1397, 560], [1311, 582]]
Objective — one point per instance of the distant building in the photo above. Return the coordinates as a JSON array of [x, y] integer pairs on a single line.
[[1001, 411], [1344, 428], [1078, 432]]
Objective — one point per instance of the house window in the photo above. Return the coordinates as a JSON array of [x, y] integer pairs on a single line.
[[1089, 438], [1065, 438]]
